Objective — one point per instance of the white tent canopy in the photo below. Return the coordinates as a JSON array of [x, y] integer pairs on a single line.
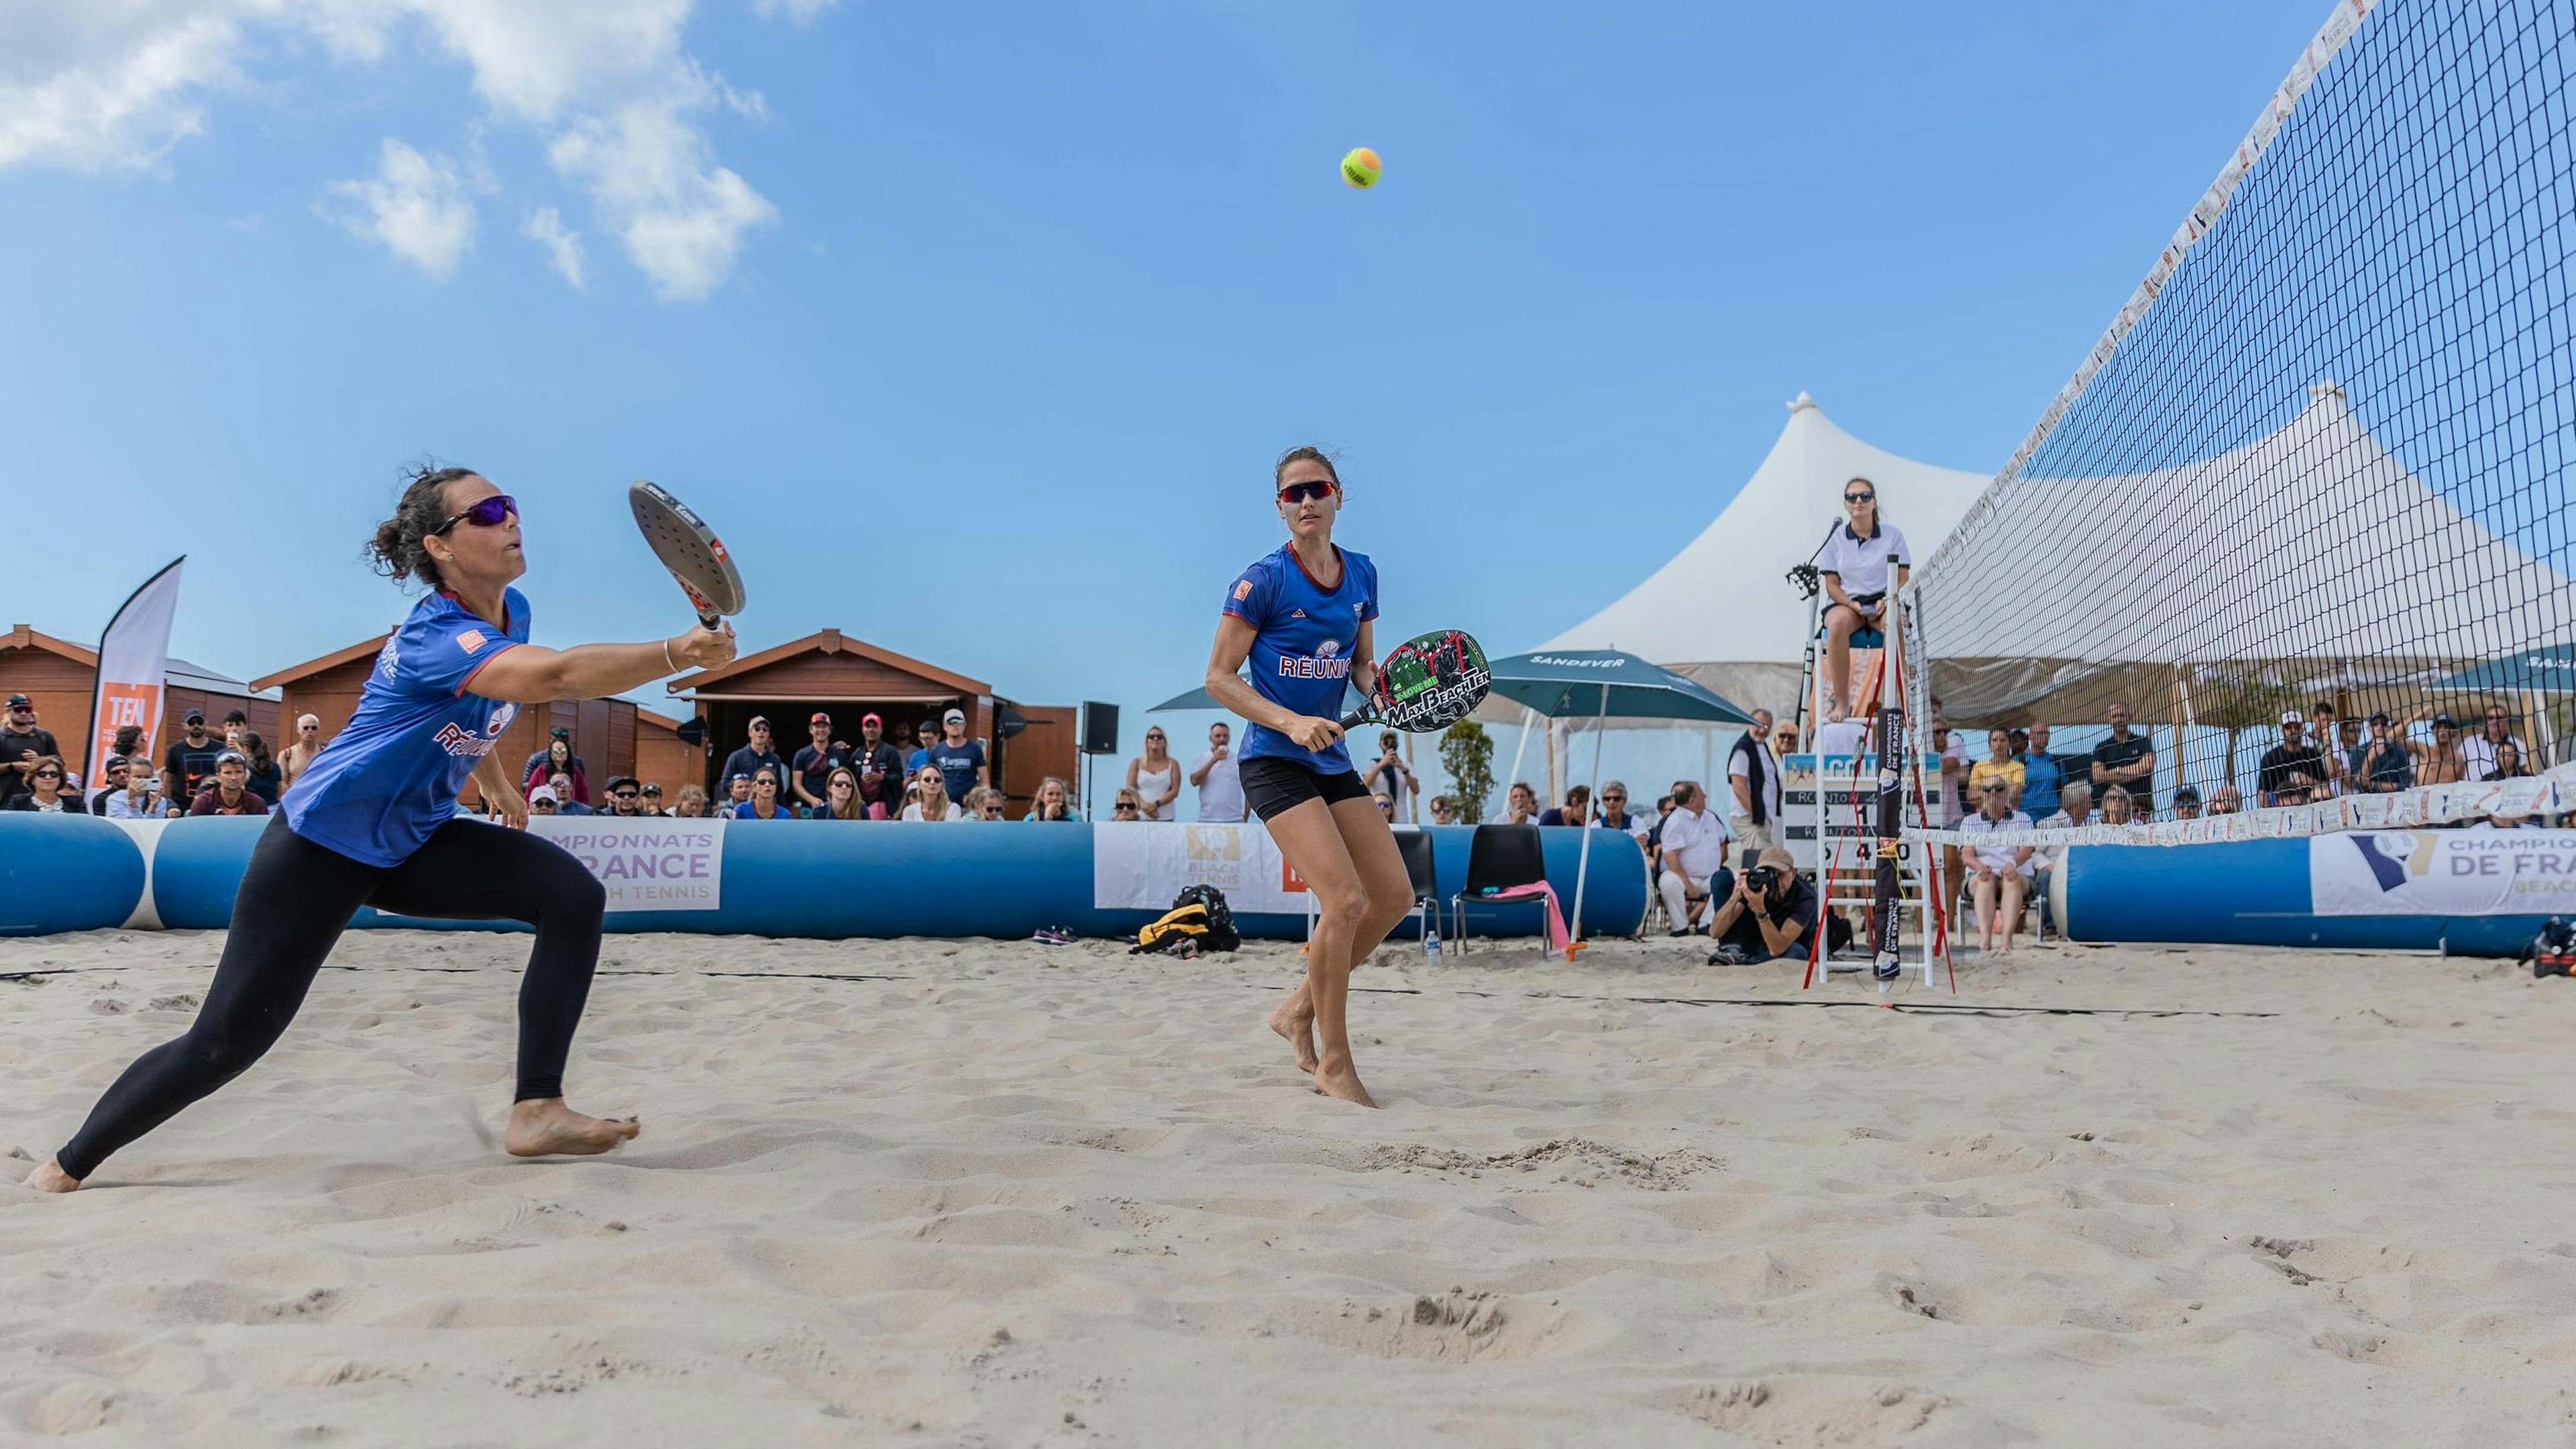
[[1722, 611], [2310, 559]]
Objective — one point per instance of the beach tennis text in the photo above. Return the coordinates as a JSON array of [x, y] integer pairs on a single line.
[[646, 865]]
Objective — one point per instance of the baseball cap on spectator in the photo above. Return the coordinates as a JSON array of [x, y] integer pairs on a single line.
[[20, 701], [757, 721], [616, 780], [820, 717], [542, 792], [2441, 719], [2292, 716], [2379, 716], [194, 716], [954, 716], [737, 775], [2186, 796], [870, 718]]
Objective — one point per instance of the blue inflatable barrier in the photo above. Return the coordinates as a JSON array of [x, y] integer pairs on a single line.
[[816, 879], [66, 873], [2250, 893]]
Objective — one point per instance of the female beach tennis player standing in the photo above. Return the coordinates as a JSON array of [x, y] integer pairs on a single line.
[[1302, 616], [372, 822]]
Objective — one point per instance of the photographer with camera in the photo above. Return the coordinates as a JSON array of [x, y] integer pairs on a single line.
[[1390, 776], [1770, 913]]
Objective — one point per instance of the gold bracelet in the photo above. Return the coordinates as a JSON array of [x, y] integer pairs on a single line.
[[668, 666]]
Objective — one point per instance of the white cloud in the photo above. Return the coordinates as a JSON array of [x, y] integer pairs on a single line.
[[801, 12], [109, 88], [682, 219], [546, 225], [115, 85], [416, 205]]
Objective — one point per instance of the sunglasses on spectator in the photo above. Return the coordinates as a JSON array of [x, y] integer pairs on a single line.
[[49, 774], [1859, 497], [486, 513], [1126, 807], [623, 794], [1306, 492]]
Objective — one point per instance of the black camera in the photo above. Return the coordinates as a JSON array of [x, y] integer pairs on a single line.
[[1761, 878]]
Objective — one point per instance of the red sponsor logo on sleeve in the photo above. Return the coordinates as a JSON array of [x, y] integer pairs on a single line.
[[471, 641], [1242, 590]]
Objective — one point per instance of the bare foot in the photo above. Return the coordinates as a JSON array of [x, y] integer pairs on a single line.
[[547, 1128], [1296, 1022], [52, 1178], [1343, 1085]]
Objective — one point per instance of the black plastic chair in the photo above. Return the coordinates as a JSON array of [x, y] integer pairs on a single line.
[[1415, 847], [1499, 857]]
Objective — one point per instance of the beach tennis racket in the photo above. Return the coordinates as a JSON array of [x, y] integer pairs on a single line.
[[689, 549], [1426, 684]]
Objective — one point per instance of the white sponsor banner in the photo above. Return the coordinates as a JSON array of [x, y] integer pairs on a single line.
[[2472, 872], [646, 864], [1142, 865], [133, 655]]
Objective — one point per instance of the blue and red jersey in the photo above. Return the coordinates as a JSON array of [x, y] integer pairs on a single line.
[[385, 782], [1305, 642]]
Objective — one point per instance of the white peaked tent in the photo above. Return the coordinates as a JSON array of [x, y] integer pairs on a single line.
[[1723, 611], [2310, 559]]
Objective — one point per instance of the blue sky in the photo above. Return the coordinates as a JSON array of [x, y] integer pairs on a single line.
[[975, 328]]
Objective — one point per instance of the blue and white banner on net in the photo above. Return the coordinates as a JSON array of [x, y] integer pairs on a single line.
[[2524, 798], [2443, 873]]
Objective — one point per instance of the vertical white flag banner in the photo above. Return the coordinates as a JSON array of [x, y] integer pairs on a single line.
[[133, 657]]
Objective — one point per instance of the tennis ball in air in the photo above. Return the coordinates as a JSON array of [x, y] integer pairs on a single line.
[[1360, 168]]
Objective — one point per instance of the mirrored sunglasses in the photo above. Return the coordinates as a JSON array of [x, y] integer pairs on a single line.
[[485, 513]]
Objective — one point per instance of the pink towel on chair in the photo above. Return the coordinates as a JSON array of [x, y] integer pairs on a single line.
[[1556, 936]]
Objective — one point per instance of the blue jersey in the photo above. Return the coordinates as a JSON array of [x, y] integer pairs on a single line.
[[386, 781], [1306, 636]]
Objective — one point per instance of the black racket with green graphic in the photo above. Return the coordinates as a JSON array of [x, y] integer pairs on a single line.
[[689, 549], [1426, 684]]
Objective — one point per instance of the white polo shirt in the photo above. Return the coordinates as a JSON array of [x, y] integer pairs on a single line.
[[1695, 845], [1997, 856], [1865, 565], [1221, 798]]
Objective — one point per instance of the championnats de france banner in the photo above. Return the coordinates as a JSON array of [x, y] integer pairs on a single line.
[[1142, 865], [653, 864], [133, 657], [2470, 872]]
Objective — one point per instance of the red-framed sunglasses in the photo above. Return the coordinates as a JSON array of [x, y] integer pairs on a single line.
[[1318, 490], [485, 513]]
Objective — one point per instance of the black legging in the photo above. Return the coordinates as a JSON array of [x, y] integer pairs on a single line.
[[296, 898]]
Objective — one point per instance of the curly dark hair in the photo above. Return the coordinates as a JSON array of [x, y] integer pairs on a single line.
[[396, 550], [1305, 452]]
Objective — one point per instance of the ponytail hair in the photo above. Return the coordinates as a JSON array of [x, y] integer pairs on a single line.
[[397, 550]]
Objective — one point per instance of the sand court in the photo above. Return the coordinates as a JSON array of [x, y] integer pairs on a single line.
[[985, 1192]]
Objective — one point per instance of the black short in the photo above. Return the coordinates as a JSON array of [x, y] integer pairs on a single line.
[[1271, 785]]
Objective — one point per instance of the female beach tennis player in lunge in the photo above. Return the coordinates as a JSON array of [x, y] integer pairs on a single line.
[[372, 822], [1302, 616]]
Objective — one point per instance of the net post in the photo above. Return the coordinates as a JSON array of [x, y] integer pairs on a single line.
[[1886, 915]]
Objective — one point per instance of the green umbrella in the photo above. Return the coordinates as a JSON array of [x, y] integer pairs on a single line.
[[1599, 684]]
